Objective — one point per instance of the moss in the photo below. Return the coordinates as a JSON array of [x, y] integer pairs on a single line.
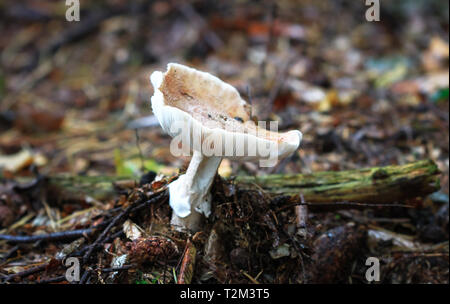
[[380, 173]]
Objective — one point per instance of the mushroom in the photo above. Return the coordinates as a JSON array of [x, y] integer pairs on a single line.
[[207, 116]]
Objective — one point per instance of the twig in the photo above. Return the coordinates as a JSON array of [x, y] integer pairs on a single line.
[[86, 248], [343, 204], [153, 198], [56, 236], [113, 269], [117, 220], [302, 213], [252, 279], [141, 157], [10, 253], [89, 249], [85, 276], [30, 186], [100, 238], [25, 272], [53, 280]]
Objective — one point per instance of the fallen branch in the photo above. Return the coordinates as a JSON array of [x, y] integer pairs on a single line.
[[373, 185], [26, 272], [387, 184], [53, 280], [113, 269], [56, 236]]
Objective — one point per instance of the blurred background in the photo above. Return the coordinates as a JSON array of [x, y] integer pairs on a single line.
[[363, 93]]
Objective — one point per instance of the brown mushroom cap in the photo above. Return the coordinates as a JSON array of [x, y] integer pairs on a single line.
[[201, 94], [203, 101]]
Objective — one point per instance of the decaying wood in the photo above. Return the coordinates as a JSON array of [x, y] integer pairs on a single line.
[[96, 187], [372, 185]]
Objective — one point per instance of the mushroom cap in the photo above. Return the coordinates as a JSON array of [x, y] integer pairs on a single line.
[[212, 114]]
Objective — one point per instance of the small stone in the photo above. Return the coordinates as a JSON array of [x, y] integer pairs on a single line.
[[280, 252]]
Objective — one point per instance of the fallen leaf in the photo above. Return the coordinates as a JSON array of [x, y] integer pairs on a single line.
[[131, 230], [16, 162], [225, 168]]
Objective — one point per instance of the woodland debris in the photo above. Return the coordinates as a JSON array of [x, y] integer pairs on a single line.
[[334, 253], [387, 184], [55, 236], [374, 185], [131, 230], [361, 100], [150, 249], [188, 264], [214, 249], [16, 162]]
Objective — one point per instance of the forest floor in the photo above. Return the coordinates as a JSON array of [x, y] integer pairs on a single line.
[[363, 94]]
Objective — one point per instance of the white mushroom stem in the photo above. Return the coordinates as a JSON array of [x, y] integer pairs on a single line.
[[190, 195]]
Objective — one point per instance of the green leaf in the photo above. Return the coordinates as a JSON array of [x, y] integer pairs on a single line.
[[119, 163], [152, 165], [441, 94], [132, 167]]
